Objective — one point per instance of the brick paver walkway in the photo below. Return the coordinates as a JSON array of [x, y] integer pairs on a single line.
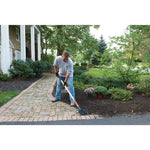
[[35, 104]]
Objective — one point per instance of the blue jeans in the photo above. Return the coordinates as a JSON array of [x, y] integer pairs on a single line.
[[70, 87]]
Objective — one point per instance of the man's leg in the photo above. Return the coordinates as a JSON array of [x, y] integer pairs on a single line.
[[59, 88], [71, 88]]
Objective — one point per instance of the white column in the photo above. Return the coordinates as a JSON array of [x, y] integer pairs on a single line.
[[5, 58], [23, 42], [39, 45], [32, 44]]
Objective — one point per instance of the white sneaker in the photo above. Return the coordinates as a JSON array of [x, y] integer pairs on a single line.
[[72, 104]]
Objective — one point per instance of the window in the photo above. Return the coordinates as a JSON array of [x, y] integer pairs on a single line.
[[17, 34]]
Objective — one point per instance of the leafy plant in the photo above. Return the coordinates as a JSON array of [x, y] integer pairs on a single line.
[[143, 86], [120, 94], [100, 90], [4, 77]]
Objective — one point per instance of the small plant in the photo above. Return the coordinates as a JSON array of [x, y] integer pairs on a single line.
[[143, 86], [101, 90], [120, 94], [90, 91], [4, 77]]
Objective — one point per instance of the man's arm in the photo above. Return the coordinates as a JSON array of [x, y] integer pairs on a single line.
[[67, 76], [56, 71]]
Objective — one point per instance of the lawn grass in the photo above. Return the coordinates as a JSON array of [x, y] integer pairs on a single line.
[[108, 73], [6, 96], [102, 72]]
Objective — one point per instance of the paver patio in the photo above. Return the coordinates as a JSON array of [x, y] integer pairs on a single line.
[[35, 104]]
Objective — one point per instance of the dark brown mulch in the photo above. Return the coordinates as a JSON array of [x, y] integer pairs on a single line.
[[16, 84], [109, 107]]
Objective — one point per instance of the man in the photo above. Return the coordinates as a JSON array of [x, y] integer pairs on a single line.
[[63, 67]]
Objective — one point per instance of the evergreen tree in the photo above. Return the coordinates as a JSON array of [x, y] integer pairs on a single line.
[[97, 55]]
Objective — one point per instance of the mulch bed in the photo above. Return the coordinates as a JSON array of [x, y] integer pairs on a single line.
[[16, 84], [107, 106]]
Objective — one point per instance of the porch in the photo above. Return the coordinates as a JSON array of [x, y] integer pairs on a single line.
[[30, 45]]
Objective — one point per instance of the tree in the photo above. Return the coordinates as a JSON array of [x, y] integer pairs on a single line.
[[97, 55], [89, 44], [144, 52], [124, 53], [46, 37], [67, 37]]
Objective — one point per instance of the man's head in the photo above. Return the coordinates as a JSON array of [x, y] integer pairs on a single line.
[[65, 56]]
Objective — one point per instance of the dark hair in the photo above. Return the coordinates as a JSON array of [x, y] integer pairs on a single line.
[[65, 53]]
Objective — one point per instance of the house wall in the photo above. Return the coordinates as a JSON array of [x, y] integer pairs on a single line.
[[12, 37]]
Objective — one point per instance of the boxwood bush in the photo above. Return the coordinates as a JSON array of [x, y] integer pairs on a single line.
[[120, 94], [100, 90], [21, 69], [28, 69]]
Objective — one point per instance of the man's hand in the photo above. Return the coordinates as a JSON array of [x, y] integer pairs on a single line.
[[57, 75], [64, 83]]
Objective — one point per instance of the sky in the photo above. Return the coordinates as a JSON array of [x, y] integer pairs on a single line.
[[108, 30]]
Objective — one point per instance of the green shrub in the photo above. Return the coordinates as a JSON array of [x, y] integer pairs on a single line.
[[39, 65], [28, 69], [47, 65], [84, 64], [76, 64], [90, 65], [21, 69], [82, 78], [100, 90], [143, 86], [108, 82], [76, 71], [120, 94], [48, 58], [82, 67], [4, 77], [38, 68]]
